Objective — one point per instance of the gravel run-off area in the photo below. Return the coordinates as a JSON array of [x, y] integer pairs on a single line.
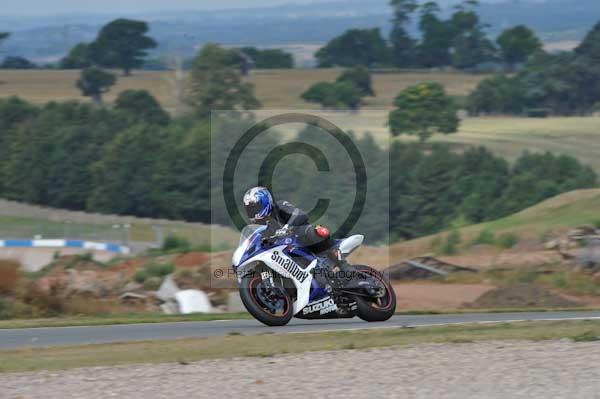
[[552, 369]]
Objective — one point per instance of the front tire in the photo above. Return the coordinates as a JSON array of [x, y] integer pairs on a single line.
[[273, 307], [376, 309]]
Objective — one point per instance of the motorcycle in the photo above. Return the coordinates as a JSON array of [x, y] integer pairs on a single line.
[[278, 279]]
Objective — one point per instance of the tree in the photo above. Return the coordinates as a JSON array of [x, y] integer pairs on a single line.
[[4, 36], [124, 177], [471, 46], [270, 58], [499, 94], [590, 46], [356, 47], [481, 180], [338, 95], [78, 58], [423, 110], [403, 46], [62, 140], [437, 37], [348, 95], [517, 44], [216, 83], [321, 93], [122, 44], [433, 179], [94, 82], [361, 78], [13, 112], [561, 84], [17, 63], [536, 177], [142, 106]]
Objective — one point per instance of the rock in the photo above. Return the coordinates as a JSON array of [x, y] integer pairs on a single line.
[[132, 295], [132, 286], [193, 301], [583, 230], [167, 289], [551, 245]]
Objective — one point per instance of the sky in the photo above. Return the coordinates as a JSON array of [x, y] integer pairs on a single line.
[[45, 7]]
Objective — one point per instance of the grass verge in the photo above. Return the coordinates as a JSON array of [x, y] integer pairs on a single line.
[[107, 320], [235, 345], [77, 321]]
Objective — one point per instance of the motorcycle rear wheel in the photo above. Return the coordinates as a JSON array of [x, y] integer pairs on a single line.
[[376, 309]]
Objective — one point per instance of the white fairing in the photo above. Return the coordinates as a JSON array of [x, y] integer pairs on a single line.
[[285, 266], [237, 255], [350, 244]]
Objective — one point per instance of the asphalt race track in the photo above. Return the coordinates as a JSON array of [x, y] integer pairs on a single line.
[[40, 337]]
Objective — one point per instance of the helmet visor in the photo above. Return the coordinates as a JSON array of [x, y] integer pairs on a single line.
[[253, 210]]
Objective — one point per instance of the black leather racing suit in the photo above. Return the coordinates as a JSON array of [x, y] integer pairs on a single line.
[[285, 213]]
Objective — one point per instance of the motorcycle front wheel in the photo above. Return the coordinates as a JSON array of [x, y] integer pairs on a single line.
[[270, 304]]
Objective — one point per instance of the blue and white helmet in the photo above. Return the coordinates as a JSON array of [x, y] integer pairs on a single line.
[[258, 203]]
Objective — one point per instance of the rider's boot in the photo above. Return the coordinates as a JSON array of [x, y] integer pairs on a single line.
[[339, 266]]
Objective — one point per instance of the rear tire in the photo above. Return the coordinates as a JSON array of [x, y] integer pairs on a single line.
[[376, 309], [253, 294]]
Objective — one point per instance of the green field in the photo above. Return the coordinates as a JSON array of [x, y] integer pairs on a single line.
[[505, 136], [234, 345], [199, 235]]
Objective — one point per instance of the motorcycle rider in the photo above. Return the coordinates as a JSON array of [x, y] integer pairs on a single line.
[[283, 218]]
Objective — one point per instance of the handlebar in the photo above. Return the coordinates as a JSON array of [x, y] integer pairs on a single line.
[[278, 237]]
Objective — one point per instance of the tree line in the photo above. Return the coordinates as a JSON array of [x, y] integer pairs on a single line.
[[535, 83], [566, 83], [459, 41], [124, 43], [134, 159]]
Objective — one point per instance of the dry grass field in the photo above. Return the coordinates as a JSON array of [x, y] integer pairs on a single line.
[[275, 88]]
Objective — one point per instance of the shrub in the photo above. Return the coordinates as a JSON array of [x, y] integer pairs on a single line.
[[341, 95], [77, 259], [10, 274], [5, 309], [175, 243], [588, 336], [596, 224], [571, 282], [361, 78], [485, 237], [452, 242], [160, 270], [154, 270], [47, 303], [152, 284], [140, 276], [508, 240]]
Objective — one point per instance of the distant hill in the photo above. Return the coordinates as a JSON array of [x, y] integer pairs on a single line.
[[181, 33]]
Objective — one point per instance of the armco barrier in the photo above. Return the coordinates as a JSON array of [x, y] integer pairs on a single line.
[[93, 246]]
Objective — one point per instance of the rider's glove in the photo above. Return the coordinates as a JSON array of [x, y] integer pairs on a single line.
[[282, 232]]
